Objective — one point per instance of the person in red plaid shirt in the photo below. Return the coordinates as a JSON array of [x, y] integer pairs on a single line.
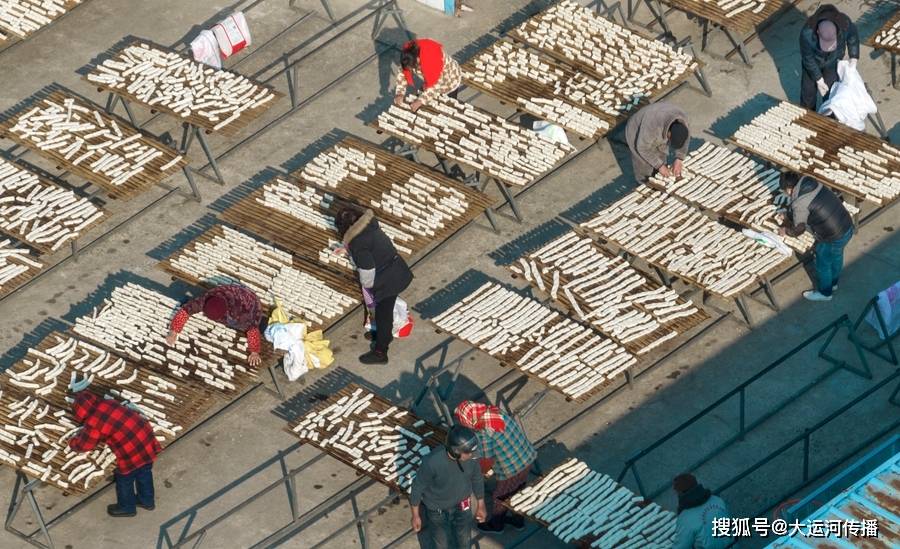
[[506, 450], [130, 437], [230, 304]]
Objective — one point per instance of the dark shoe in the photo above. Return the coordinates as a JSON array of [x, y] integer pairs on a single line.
[[516, 521], [115, 511], [490, 527], [150, 507], [374, 357], [370, 336]]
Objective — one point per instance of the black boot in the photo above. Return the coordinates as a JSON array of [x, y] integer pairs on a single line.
[[516, 521], [115, 511], [374, 357], [492, 526]]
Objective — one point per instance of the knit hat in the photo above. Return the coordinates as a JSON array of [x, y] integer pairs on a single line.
[[684, 482], [678, 134], [827, 32], [215, 307]]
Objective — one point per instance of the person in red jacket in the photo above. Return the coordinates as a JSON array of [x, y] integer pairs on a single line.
[[230, 304], [426, 59], [130, 437]]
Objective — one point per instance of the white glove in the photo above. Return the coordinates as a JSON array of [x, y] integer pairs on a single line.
[[823, 87], [853, 63]]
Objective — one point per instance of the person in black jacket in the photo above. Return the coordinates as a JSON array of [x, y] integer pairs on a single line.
[[382, 273], [823, 40], [815, 208]]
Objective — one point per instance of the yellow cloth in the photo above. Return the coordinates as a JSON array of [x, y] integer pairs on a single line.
[[315, 346]]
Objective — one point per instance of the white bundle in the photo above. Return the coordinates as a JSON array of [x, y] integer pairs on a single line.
[[232, 256], [634, 66], [85, 136], [159, 77], [21, 18], [505, 61], [39, 212], [374, 442], [580, 503], [730, 8], [618, 301], [565, 355], [889, 36], [135, 321], [668, 233], [477, 139], [34, 439], [779, 134], [15, 261]]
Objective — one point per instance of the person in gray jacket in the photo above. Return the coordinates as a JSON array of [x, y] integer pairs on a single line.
[[441, 493], [650, 133], [815, 208], [697, 508]]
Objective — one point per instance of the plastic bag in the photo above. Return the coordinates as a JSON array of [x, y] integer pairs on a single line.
[[304, 350], [888, 303], [403, 321], [849, 100], [206, 49], [232, 33], [551, 132]]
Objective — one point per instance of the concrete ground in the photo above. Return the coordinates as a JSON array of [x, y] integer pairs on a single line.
[[242, 444]]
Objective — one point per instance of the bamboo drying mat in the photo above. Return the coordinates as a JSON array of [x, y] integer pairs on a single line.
[[192, 400], [743, 22], [679, 325], [520, 86], [150, 176], [334, 280], [10, 286], [592, 70], [378, 405], [400, 170], [830, 136], [43, 247], [230, 129], [7, 397], [12, 38], [894, 21]]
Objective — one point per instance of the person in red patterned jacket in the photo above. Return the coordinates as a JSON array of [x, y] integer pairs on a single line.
[[230, 304], [130, 437], [439, 72]]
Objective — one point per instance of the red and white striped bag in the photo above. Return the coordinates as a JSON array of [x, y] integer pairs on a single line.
[[232, 33]]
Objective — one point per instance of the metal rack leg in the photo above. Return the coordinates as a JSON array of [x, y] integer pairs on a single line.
[[328, 9], [745, 311], [128, 110], [472, 181], [278, 390], [209, 155], [704, 38], [770, 292], [386, 8], [188, 174], [22, 491], [893, 69], [739, 45], [510, 199], [659, 13]]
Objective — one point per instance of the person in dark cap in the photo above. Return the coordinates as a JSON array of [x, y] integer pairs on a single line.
[[697, 507], [382, 273], [440, 498], [233, 305], [650, 133], [823, 40], [815, 208]]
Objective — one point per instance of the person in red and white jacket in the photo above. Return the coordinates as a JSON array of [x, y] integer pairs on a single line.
[[425, 58], [230, 304]]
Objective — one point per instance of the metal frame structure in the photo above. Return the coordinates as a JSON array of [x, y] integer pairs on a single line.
[[659, 13], [805, 438], [299, 520], [24, 490], [888, 342], [829, 332]]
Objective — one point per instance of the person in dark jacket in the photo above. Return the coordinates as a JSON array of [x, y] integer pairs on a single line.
[[382, 273], [815, 208], [130, 437], [650, 133], [697, 509], [823, 40]]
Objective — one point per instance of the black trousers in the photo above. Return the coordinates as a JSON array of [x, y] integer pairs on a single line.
[[808, 90], [384, 323]]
